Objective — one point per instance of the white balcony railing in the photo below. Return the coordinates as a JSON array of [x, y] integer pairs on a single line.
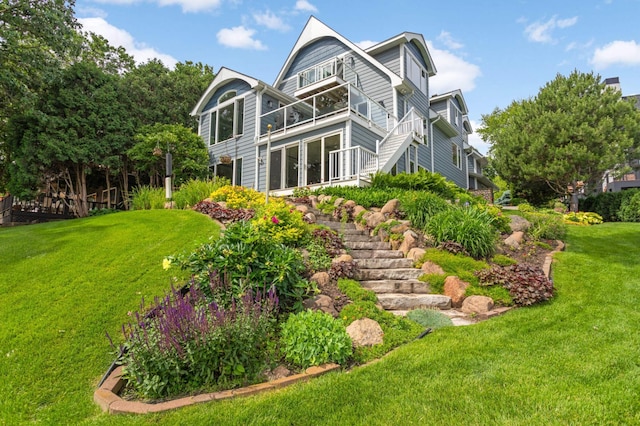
[[337, 100], [316, 73], [355, 163]]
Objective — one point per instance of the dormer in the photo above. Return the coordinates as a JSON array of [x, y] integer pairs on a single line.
[[453, 108]]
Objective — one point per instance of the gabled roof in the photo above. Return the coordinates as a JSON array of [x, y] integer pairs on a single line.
[[226, 75], [315, 30], [457, 94], [407, 37]]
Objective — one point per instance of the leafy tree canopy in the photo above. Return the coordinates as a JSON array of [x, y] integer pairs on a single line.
[[574, 130]]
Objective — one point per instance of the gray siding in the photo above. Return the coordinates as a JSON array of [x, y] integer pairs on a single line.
[[315, 53], [443, 159], [362, 136], [416, 52], [424, 156], [239, 86], [390, 59]]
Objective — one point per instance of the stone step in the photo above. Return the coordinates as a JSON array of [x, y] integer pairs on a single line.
[[384, 263], [355, 238], [397, 286], [336, 225], [352, 231], [367, 245], [388, 274], [376, 254], [405, 302]]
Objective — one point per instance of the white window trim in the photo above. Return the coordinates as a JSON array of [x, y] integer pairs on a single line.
[[422, 71], [235, 117], [322, 137]]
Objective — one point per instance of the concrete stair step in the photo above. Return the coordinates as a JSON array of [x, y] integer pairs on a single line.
[[397, 286], [384, 263], [406, 302], [388, 274], [376, 254], [367, 245]]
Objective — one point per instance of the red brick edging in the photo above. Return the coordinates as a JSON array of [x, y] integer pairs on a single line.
[[106, 396]]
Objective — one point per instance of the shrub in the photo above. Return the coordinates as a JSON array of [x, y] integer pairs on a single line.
[[423, 180], [280, 223], [527, 285], [342, 270], [420, 207], [582, 218], [502, 260], [630, 209], [329, 239], [187, 344], [318, 259], [238, 197], [549, 226], [147, 198], [354, 291], [224, 215], [430, 318], [195, 190], [471, 227], [312, 338]]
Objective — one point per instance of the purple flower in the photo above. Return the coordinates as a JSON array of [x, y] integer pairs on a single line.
[[274, 220]]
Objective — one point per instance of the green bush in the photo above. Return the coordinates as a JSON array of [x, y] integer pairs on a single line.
[[430, 318], [607, 204], [502, 260], [548, 226], [147, 198], [312, 338], [195, 190], [423, 180], [354, 291], [630, 209], [469, 226], [366, 197], [420, 207], [582, 218]]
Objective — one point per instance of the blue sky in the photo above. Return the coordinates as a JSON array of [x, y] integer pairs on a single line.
[[494, 51]]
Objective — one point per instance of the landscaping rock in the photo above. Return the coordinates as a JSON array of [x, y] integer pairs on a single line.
[[477, 305], [375, 219], [365, 332], [302, 208], [357, 210], [399, 229], [432, 268], [514, 239], [279, 372], [342, 258], [338, 202], [454, 287], [314, 200], [310, 218], [410, 241], [320, 278], [519, 223], [416, 253], [350, 204], [321, 303], [390, 207]]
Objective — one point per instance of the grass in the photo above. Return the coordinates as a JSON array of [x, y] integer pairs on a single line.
[[62, 286], [574, 360]]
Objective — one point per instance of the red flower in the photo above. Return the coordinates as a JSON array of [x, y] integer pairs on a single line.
[[274, 220]]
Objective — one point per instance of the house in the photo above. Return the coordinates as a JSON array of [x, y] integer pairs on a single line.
[[335, 114], [613, 180]]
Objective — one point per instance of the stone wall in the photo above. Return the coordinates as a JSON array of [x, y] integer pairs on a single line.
[[487, 193]]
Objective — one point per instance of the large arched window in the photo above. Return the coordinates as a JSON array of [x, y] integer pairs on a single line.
[[227, 120]]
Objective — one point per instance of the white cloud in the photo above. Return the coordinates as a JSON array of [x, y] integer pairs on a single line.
[[239, 37], [118, 37], [271, 21], [476, 141], [446, 38], [617, 52], [541, 32], [453, 72], [305, 6], [365, 44], [187, 5]]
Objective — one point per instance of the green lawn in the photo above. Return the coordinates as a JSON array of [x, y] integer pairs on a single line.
[[575, 360]]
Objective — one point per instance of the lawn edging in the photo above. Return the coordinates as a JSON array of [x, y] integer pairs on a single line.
[[548, 260], [107, 395]]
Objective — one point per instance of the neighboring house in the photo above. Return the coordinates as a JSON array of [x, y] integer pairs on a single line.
[[336, 114], [611, 181]]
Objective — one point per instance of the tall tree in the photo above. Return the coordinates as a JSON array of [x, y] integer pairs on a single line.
[[574, 130], [36, 37], [80, 126]]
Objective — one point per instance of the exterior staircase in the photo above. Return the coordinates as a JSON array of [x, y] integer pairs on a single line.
[[384, 271]]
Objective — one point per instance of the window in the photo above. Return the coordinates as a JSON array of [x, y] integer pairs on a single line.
[[412, 159], [317, 160], [232, 171], [227, 121], [415, 72], [457, 155], [456, 116], [284, 167]]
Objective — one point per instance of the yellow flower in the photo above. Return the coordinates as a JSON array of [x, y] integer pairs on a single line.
[[166, 264]]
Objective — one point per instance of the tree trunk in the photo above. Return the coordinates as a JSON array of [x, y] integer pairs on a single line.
[[82, 207], [573, 203], [108, 188]]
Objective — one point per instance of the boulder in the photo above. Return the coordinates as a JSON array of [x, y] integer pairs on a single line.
[[365, 332], [357, 210], [410, 241], [320, 278], [302, 208], [322, 303], [279, 372], [390, 207], [310, 218], [432, 268], [455, 288], [519, 223], [416, 253], [375, 219], [342, 258], [514, 239], [338, 202], [350, 204], [314, 200], [477, 305], [400, 228]]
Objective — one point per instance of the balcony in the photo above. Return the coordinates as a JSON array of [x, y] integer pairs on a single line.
[[341, 100], [320, 77]]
